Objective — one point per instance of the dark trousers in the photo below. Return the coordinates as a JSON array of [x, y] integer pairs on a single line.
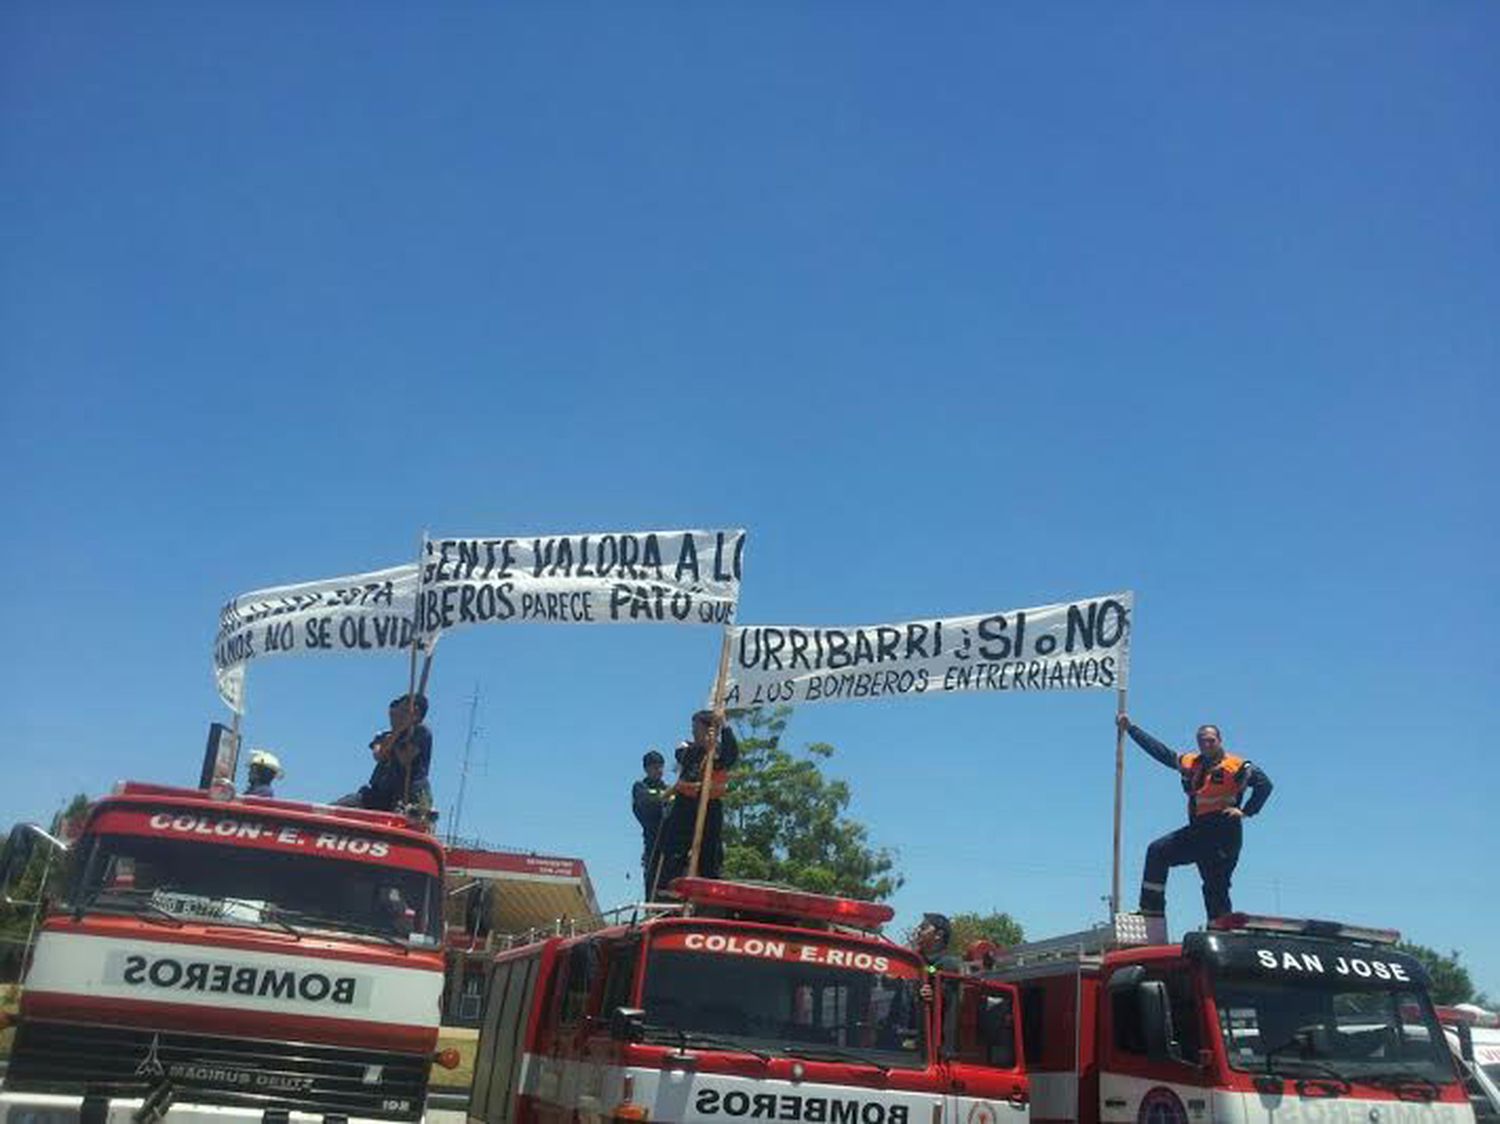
[[1212, 843], [676, 841], [650, 853]]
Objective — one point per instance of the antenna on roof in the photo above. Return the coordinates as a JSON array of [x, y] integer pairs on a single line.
[[463, 769]]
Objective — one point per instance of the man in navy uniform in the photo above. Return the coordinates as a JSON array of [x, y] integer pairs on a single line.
[[648, 800], [1215, 783]]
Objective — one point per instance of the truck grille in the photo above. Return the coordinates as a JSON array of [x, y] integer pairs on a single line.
[[74, 1059]]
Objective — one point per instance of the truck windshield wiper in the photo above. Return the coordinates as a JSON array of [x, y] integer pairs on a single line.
[[692, 1039], [333, 924], [1312, 1063], [273, 917], [831, 1054], [1406, 1079]]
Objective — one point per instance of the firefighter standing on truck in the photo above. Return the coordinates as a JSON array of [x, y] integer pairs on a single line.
[[648, 800], [931, 941], [1215, 783], [264, 769], [676, 839]]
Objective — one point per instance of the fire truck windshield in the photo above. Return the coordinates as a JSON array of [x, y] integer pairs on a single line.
[[773, 994], [1319, 1027], [183, 881]]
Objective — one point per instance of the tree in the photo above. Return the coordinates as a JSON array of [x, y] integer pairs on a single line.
[[1000, 928], [1450, 979], [784, 820]]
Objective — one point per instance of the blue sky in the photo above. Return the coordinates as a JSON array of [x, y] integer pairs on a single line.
[[955, 307]]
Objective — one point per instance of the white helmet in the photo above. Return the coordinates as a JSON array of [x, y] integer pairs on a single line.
[[266, 760]]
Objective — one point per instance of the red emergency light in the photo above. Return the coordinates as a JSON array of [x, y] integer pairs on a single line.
[[791, 903], [1302, 927], [1467, 1013]]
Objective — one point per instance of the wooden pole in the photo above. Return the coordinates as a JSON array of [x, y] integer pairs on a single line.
[[411, 688], [706, 780], [1114, 893]]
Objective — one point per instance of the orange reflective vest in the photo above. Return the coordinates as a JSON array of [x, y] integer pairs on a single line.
[[716, 790], [1212, 790]]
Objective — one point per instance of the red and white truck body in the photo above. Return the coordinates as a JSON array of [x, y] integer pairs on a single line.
[[1474, 1040], [748, 1004], [233, 959], [1252, 1021]]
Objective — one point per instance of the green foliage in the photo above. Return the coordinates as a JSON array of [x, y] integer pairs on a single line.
[[1001, 928], [1450, 979], [784, 820], [71, 817]]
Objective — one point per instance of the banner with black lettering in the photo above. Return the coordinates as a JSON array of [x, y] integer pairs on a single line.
[[358, 613], [657, 577], [1075, 645]]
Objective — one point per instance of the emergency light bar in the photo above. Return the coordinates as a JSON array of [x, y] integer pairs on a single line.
[[792, 903], [1260, 923], [1467, 1013]]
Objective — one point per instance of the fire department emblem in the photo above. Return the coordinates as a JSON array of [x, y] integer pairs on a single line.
[[981, 1112], [151, 1064], [1161, 1106]]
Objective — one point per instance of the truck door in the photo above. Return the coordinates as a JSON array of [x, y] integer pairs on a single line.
[[1152, 1047], [564, 1005], [979, 1052]]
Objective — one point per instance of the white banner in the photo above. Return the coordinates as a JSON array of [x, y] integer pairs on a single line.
[[663, 577], [359, 613], [1076, 645]]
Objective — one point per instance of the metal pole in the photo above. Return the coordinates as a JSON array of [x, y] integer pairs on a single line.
[[463, 770], [1114, 893]]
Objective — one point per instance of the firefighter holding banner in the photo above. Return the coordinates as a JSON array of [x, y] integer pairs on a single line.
[[676, 839], [1215, 783]]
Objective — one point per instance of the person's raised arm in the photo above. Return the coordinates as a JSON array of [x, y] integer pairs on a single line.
[[1160, 751]]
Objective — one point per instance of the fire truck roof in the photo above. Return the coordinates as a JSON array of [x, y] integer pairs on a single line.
[[139, 794]]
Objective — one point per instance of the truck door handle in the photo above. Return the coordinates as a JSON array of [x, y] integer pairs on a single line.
[[1114, 1102]]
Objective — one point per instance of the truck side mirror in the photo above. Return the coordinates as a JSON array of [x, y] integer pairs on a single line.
[[20, 847], [16, 857], [1465, 1042], [627, 1024], [1156, 1022]]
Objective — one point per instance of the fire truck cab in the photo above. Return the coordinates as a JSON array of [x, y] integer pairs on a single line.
[[1256, 1020], [744, 1003], [230, 960]]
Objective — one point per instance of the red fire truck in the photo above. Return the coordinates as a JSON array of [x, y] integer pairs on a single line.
[[1255, 1020], [744, 1003], [232, 959]]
